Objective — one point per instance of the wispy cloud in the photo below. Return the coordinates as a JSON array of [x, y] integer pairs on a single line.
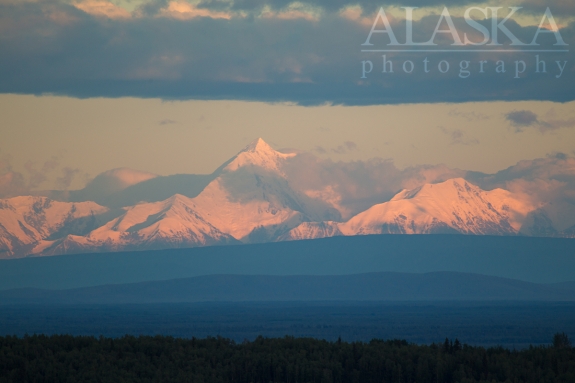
[[38, 175], [357, 185], [102, 8], [68, 176], [320, 150], [345, 147], [35, 177], [183, 10], [458, 136], [523, 119]]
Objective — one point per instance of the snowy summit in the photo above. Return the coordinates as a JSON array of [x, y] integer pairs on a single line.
[[258, 153]]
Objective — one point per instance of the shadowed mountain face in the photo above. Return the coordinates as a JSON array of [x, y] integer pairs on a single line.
[[261, 195], [360, 287]]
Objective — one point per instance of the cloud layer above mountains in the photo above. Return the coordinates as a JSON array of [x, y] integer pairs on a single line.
[[277, 50]]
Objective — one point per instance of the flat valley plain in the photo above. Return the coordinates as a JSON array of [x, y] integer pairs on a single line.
[[513, 325]]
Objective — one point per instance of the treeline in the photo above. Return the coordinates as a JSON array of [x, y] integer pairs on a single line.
[[62, 358]]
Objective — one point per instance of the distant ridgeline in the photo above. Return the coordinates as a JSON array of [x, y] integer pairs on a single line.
[[542, 261], [166, 359]]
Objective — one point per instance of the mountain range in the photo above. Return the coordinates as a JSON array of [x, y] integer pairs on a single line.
[[264, 195]]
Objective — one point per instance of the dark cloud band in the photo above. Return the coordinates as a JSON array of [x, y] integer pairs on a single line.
[[330, 5], [50, 47]]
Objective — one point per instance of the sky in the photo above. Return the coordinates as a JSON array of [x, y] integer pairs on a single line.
[[181, 86]]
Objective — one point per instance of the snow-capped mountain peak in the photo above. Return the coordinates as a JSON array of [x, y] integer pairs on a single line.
[[25, 221], [258, 153], [451, 206], [258, 145], [171, 223]]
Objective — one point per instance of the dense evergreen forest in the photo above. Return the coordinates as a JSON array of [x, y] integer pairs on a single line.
[[63, 358]]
